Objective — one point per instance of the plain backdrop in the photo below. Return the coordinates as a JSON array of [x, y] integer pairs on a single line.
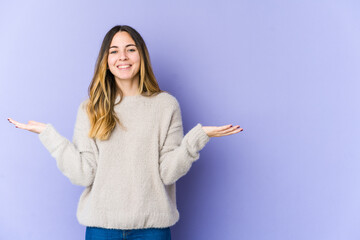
[[285, 71]]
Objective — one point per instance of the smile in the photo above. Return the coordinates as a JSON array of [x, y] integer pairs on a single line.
[[123, 66]]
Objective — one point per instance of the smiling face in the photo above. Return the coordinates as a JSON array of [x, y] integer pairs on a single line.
[[124, 57]]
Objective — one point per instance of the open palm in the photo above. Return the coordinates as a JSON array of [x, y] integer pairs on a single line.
[[32, 126], [213, 131]]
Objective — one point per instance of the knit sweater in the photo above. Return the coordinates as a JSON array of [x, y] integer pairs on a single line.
[[129, 179]]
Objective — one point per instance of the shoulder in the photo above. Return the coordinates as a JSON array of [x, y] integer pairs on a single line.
[[167, 100], [82, 108], [83, 104]]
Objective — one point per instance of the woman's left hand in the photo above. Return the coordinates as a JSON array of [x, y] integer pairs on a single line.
[[213, 131]]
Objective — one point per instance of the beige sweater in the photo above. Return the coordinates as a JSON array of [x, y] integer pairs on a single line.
[[129, 178]]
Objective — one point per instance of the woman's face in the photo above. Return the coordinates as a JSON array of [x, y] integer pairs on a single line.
[[124, 57]]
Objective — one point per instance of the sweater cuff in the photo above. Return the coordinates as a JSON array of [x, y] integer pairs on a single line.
[[197, 137], [50, 138]]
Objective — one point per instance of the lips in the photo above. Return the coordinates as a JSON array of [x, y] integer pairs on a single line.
[[123, 66]]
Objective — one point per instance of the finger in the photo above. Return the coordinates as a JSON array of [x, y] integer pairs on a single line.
[[223, 128], [13, 121], [230, 129], [23, 126], [232, 132], [18, 124]]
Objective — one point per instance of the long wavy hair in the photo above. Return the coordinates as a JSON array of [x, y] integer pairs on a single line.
[[103, 90]]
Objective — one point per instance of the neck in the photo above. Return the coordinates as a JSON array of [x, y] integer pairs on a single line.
[[129, 87]]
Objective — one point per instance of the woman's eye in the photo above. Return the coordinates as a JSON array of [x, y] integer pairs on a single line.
[[130, 50]]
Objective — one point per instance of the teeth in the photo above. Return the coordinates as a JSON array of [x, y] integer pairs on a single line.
[[125, 66]]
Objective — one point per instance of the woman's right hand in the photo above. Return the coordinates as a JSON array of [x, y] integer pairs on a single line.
[[32, 126]]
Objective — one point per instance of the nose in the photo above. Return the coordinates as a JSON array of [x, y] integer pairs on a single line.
[[122, 55]]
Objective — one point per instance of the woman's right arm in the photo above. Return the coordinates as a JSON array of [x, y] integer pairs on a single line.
[[77, 160]]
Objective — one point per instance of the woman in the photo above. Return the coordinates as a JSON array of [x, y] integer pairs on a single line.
[[128, 146]]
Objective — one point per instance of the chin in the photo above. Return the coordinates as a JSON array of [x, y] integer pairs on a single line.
[[125, 77]]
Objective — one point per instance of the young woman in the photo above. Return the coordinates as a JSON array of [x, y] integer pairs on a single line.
[[128, 146]]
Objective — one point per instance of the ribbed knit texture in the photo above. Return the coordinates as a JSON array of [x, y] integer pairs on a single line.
[[130, 178]]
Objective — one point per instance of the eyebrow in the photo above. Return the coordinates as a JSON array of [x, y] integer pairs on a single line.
[[125, 46]]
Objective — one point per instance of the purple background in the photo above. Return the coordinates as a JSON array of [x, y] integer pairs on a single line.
[[285, 71]]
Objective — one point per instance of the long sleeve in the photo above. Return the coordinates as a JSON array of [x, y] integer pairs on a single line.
[[77, 160], [178, 151]]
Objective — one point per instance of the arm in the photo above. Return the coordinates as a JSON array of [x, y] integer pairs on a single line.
[[77, 159], [178, 151]]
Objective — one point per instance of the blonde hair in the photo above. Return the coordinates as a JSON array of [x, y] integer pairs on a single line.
[[103, 89]]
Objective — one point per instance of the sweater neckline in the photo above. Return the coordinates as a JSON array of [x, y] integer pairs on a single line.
[[128, 98]]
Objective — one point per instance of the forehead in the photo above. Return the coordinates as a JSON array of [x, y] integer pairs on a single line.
[[121, 39]]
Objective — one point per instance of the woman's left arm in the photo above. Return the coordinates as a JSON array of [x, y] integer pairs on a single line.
[[179, 152]]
